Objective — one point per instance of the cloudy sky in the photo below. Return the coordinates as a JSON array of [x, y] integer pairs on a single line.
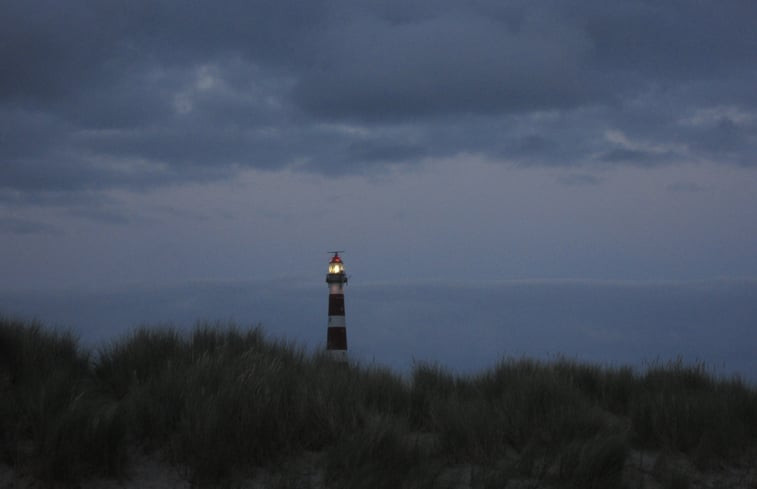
[[165, 153]]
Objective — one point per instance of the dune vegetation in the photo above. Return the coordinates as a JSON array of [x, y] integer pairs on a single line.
[[224, 403]]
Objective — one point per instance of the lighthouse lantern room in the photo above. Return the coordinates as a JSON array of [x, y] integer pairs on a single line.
[[336, 337]]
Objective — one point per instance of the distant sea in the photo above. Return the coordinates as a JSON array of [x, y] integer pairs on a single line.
[[462, 326]]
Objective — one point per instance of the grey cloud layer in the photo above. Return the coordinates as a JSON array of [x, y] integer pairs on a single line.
[[137, 94]]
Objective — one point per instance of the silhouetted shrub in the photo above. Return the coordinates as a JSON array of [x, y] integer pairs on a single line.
[[57, 423], [222, 401]]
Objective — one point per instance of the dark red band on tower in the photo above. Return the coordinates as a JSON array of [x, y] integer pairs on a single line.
[[336, 304], [336, 338]]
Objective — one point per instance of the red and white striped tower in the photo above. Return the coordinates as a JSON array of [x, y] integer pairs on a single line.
[[336, 338]]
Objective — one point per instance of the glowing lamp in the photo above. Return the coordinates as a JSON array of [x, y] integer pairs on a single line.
[[336, 265]]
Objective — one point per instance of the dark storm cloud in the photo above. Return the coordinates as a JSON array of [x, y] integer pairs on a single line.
[[102, 214], [383, 150], [111, 94], [56, 49], [673, 39], [452, 63], [684, 187], [10, 225], [624, 155], [726, 137], [579, 179]]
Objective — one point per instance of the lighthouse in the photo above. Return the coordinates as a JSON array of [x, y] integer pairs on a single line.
[[336, 337]]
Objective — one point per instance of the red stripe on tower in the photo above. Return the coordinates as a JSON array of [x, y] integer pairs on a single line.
[[336, 337]]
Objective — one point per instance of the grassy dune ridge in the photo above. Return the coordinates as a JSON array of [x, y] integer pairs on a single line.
[[223, 401]]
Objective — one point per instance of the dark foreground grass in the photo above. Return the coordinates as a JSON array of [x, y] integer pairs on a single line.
[[222, 402]]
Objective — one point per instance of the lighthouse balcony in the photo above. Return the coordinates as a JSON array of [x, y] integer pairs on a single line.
[[336, 278]]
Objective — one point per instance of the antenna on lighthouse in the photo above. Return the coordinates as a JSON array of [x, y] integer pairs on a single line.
[[336, 336]]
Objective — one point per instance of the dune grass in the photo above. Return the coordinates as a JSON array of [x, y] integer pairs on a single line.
[[223, 401]]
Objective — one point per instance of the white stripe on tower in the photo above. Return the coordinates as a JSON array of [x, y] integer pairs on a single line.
[[336, 337]]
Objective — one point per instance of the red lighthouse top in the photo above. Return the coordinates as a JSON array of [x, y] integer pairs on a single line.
[[336, 258]]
